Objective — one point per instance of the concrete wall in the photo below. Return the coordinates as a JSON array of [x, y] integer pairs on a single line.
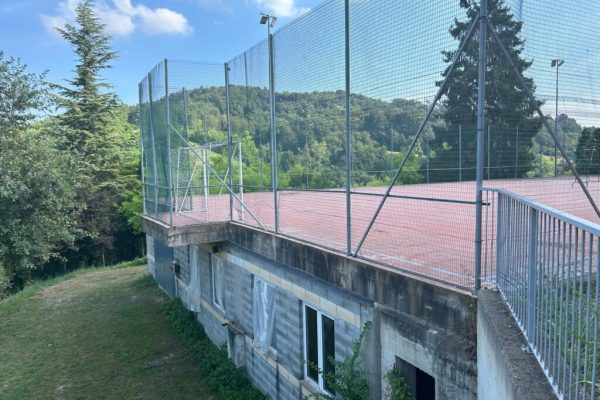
[[505, 371], [429, 326]]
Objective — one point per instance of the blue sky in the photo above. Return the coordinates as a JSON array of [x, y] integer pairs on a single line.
[[144, 31], [395, 48]]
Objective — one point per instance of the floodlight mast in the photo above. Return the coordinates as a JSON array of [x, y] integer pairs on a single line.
[[270, 20], [557, 63]]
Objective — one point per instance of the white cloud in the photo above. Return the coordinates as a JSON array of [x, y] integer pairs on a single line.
[[280, 8], [122, 18]]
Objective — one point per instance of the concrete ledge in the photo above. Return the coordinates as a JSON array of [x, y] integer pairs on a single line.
[[504, 371], [174, 236]]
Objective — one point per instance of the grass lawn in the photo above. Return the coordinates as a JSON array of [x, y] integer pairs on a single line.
[[93, 335]]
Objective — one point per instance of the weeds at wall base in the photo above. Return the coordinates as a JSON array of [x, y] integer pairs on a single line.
[[222, 376]]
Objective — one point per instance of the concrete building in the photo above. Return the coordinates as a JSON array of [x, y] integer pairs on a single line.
[[318, 302]]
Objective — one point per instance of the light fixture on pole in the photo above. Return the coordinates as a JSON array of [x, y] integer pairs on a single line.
[[556, 63], [269, 20]]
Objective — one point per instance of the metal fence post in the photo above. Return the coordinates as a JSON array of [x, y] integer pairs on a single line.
[[460, 152], [240, 179], [348, 153], [480, 133], [489, 158], [517, 154], [229, 141], [154, 167], [142, 158], [531, 272], [273, 133], [168, 132]]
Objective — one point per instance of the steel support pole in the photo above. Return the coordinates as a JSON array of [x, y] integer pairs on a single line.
[[229, 140], [441, 90], [460, 152], [205, 178], [489, 158], [142, 158], [273, 133], [348, 150], [537, 108], [556, 125], [187, 137], [480, 137], [241, 179], [168, 129], [517, 154], [154, 167]]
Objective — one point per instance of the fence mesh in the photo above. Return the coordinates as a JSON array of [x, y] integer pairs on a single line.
[[211, 149], [406, 79], [250, 125], [310, 116]]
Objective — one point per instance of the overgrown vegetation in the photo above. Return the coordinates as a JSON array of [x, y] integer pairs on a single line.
[[397, 387], [349, 381], [222, 376]]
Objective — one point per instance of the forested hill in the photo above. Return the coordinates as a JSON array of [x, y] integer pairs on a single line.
[[310, 131]]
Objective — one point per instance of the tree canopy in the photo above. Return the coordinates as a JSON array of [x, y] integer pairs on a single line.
[[37, 196], [508, 111]]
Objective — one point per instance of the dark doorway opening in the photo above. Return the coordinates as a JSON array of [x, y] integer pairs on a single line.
[[419, 382]]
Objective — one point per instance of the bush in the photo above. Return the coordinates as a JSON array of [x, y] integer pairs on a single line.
[[225, 380], [398, 388]]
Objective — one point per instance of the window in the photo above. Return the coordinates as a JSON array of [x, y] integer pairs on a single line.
[[217, 282], [319, 346], [263, 314]]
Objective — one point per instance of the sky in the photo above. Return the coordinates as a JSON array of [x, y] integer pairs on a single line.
[[395, 45], [144, 32]]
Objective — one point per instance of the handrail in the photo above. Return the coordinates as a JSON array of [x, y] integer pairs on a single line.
[[578, 222]]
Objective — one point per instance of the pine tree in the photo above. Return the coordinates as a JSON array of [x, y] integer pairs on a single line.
[[88, 130], [588, 152], [507, 107]]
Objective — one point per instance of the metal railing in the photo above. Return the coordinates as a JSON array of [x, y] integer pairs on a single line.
[[545, 264]]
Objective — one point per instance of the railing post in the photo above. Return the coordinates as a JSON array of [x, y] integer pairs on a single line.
[[531, 272], [500, 240]]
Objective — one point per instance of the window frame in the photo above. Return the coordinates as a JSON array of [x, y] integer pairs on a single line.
[[320, 359], [215, 299]]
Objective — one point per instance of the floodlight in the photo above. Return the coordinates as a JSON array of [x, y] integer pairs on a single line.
[[557, 63], [273, 21], [263, 19]]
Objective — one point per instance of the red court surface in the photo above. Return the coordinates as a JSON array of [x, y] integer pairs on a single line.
[[428, 231]]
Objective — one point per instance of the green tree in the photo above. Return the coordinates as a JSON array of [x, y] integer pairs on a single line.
[[507, 107], [102, 142], [37, 197], [588, 152]]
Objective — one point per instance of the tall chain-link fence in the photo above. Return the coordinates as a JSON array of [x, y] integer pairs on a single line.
[[355, 127]]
